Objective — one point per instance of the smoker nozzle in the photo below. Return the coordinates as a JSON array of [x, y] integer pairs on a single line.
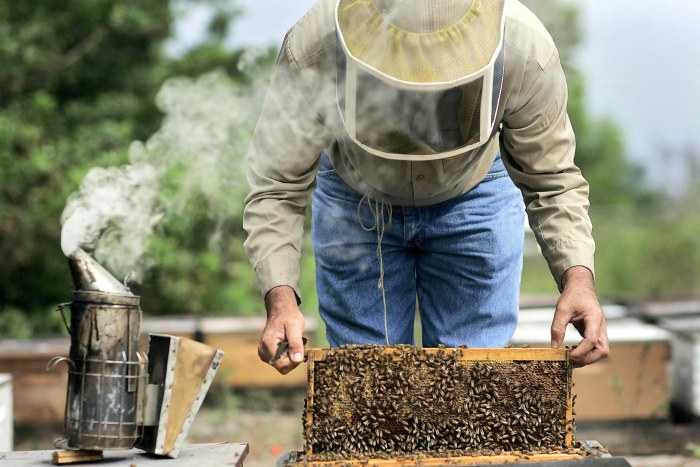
[[90, 276]]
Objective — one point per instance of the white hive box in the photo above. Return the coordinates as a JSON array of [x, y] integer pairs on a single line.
[[631, 384], [685, 363], [6, 425]]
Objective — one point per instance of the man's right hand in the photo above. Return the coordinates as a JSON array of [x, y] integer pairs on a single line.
[[285, 322]]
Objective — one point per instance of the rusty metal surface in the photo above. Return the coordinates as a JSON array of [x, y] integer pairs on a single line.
[[102, 410], [104, 327]]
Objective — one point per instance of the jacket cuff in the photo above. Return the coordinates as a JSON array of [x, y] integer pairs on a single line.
[[567, 255], [277, 270]]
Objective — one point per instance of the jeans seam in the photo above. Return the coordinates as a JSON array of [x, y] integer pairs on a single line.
[[491, 176]]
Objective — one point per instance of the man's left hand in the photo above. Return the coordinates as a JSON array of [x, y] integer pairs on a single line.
[[579, 306]]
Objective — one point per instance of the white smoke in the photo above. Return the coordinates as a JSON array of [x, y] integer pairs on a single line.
[[113, 212], [205, 133]]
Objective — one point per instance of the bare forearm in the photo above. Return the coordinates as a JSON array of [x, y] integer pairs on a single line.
[[578, 276]]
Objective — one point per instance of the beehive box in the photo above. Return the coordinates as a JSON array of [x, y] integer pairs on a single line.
[[685, 365], [631, 384], [6, 419], [39, 396], [379, 402]]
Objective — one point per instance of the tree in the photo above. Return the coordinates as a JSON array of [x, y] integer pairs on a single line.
[[646, 240], [600, 151], [77, 86]]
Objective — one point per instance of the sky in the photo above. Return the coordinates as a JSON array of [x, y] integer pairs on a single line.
[[641, 60]]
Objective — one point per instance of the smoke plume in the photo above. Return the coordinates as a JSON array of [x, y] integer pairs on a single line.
[[204, 135]]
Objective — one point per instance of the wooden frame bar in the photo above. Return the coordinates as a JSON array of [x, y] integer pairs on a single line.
[[477, 354], [444, 461]]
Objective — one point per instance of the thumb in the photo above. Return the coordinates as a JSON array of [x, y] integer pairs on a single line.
[[294, 330], [559, 323]]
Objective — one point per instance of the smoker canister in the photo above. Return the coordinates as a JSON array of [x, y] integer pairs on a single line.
[[103, 401]]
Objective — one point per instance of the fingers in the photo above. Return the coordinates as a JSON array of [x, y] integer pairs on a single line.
[[275, 352], [590, 323], [593, 356], [296, 345], [281, 344], [559, 323], [280, 354], [579, 306], [590, 336], [592, 348]]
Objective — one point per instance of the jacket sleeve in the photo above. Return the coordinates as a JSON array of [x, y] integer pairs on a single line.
[[538, 147], [281, 170]]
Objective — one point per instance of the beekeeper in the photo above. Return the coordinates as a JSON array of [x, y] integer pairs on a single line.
[[418, 128]]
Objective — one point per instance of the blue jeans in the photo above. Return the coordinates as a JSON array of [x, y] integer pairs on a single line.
[[460, 259]]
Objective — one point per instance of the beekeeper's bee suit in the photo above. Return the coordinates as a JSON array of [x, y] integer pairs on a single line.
[[407, 116]]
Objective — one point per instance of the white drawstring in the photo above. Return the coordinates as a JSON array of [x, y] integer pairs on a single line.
[[378, 208]]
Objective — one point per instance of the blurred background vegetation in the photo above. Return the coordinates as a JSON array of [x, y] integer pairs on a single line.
[[79, 84]]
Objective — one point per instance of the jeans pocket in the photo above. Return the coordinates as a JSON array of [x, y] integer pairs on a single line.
[[498, 174], [325, 167], [497, 170]]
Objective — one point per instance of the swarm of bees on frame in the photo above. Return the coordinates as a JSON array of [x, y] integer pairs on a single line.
[[378, 401]]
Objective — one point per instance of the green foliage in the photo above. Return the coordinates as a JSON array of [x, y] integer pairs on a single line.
[[600, 152], [77, 86], [75, 89], [200, 266], [647, 242], [650, 256], [193, 275], [18, 324], [640, 255], [694, 449]]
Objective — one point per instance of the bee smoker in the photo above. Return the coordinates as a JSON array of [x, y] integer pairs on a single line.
[[117, 396]]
